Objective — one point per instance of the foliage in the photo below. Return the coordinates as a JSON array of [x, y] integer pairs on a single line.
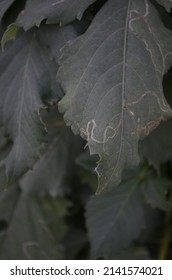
[[101, 67]]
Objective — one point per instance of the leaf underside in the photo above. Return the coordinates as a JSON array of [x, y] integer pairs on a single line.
[[54, 11], [112, 79]]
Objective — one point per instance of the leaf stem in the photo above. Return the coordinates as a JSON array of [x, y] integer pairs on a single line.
[[165, 244]]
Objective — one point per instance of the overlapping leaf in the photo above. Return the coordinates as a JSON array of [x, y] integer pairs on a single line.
[[166, 3], [134, 253], [112, 77], [4, 5], [114, 220], [35, 226], [55, 37], [5, 147], [53, 173], [155, 191], [157, 147], [54, 11], [23, 76], [34, 213], [27, 78], [9, 34]]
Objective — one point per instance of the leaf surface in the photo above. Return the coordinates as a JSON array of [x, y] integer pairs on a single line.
[[35, 226], [112, 78], [9, 34], [155, 191], [54, 11], [53, 172], [5, 147], [114, 220], [23, 71], [34, 212], [27, 84], [166, 3], [157, 147], [4, 5]]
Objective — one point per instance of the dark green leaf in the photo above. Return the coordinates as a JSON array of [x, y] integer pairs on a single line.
[[114, 219], [155, 191], [8, 202], [5, 147], [27, 78], [112, 77], [4, 5], [133, 253], [55, 37], [35, 226], [166, 3], [53, 173], [23, 75], [35, 221], [157, 147], [54, 11], [86, 161], [74, 243]]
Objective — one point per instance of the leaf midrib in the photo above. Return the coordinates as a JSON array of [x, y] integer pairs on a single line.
[[22, 101], [123, 91]]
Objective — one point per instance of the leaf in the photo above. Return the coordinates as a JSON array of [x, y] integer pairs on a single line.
[[5, 147], [35, 220], [134, 253], [53, 173], [86, 161], [8, 201], [55, 37], [114, 219], [75, 241], [36, 226], [9, 34], [27, 83], [166, 3], [112, 79], [54, 11], [157, 147], [4, 5], [155, 191], [23, 74]]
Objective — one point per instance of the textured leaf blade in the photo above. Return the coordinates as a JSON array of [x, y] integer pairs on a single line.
[[112, 77], [57, 11], [35, 226], [5, 147], [55, 37], [36, 221], [114, 220], [53, 172], [155, 192], [27, 84], [21, 101], [4, 5], [157, 147], [166, 3], [9, 34]]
